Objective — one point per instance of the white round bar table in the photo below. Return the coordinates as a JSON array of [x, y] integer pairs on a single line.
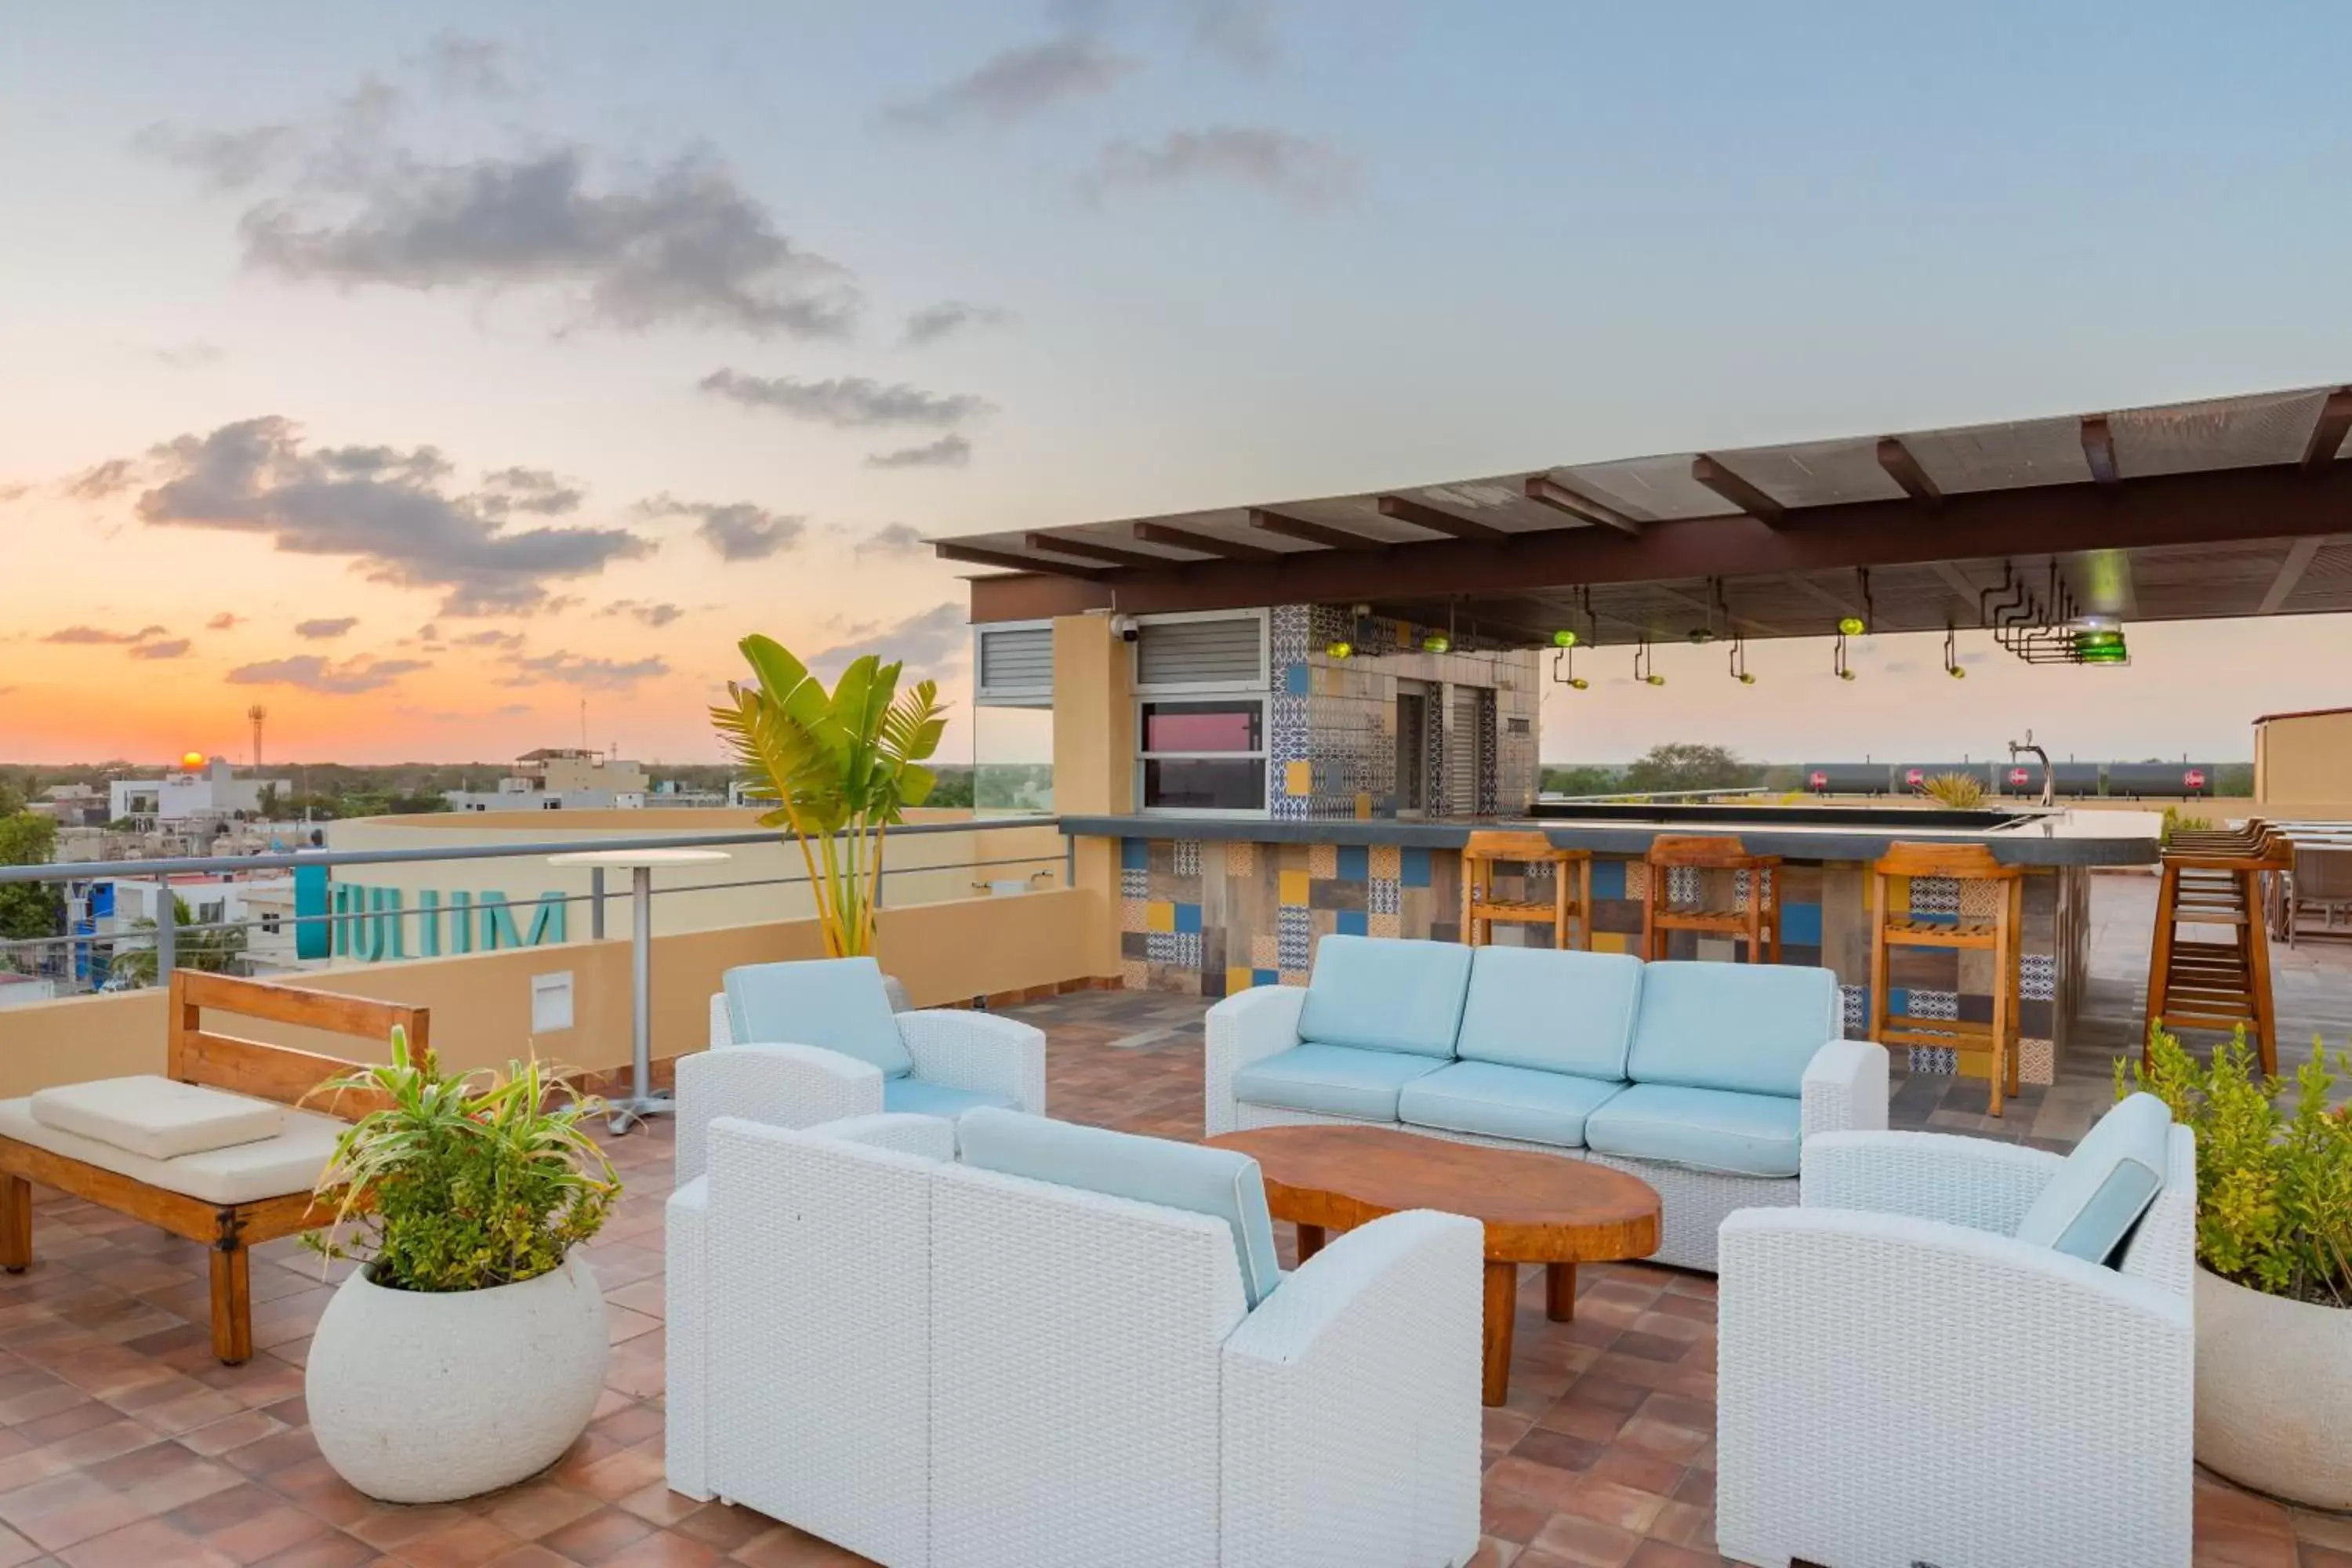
[[642, 1100]]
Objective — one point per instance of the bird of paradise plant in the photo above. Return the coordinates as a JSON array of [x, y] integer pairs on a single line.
[[840, 767]]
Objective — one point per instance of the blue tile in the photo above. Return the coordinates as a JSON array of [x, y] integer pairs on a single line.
[[1355, 863], [1898, 1002], [1608, 879], [1265, 977], [1188, 918], [1414, 868], [1352, 922], [1135, 855], [1801, 924], [1294, 679]]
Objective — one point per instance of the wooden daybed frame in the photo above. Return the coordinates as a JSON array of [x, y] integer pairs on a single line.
[[197, 1055]]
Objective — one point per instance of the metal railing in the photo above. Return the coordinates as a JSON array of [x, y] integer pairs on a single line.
[[1636, 795], [163, 939]]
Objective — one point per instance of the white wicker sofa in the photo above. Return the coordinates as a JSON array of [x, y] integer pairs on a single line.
[[931, 1360], [1704, 1080], [798, 1043], [1960, 1351]]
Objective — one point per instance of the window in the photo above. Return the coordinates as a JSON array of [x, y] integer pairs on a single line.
[[1203, 756], [269, 924]]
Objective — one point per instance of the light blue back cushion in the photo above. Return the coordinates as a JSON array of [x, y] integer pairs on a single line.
[[1386, 993], [1217, 1182], [2105, 1185], [836, 1003], [1746, 1026], [1541, 1007]]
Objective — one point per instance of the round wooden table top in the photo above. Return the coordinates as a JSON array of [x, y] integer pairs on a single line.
[[1537, 1208]]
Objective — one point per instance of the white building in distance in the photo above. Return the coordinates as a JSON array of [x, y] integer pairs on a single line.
[[556, 777], [190, 794]]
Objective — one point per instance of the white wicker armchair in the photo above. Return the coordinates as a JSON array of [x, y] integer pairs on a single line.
[[929, 1363], [1903, 1382], [792, 1084]]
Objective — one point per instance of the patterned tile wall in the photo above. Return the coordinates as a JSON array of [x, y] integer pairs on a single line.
[[1207, 918]]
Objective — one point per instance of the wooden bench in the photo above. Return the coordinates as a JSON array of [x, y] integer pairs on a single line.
[[201, 1056]]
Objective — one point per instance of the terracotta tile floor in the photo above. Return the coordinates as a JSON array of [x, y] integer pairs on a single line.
[[122, 1442]]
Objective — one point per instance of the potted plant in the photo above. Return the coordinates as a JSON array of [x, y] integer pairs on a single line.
[[2274, 1268], [469, 1349], [840, 767]]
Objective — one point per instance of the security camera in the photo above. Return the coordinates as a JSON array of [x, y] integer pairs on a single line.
[[1125, 627]]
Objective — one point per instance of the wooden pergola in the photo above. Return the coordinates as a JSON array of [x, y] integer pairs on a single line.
[[2236, 505]]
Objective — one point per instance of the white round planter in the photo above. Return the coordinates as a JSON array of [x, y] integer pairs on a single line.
[[2274, 1392], [418, 1398]]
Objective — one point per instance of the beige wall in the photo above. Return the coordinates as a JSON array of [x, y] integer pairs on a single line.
[[2300, 762], [945, 953], [1094, 757], [923, 868]]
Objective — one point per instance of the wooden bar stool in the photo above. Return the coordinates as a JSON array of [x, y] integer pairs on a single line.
[[1481, 909], [1718, 911], [1997, 935], [2217, 881]]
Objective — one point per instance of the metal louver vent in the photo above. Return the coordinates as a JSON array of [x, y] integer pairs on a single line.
[[1016, 662], [1223, 652]]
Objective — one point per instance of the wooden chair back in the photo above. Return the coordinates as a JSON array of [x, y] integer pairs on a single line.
[[1702, 850], [283, 1073], [1507, 844], [1961, 862]]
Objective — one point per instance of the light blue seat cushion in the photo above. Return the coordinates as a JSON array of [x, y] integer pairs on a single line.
[[1542, 1007], [2107, 1183], [913, 1096], [1709, 1129], [1386, 993], [1335, 1081], [1501, 1101], [836, 1003], [1751, 1026], [1218, 1183]]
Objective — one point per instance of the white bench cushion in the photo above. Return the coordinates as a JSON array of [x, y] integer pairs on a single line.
[[159, 1118], [241, 1174]]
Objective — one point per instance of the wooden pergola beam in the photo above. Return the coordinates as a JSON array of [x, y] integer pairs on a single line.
[[1905, 471], [2099, 451], [1405, 510], [973, 555], [2327, 434], [1739, 492], [1206, 543], [1546, 490], [1089, 550], [2290, 573], [1322, 533]]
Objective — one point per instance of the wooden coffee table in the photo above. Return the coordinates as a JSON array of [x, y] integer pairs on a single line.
[[1537, 1208]]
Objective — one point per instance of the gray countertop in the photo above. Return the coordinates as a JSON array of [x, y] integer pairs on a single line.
[[2057, 838]]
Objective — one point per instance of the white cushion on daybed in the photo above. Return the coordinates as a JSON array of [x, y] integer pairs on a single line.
[[159, 1118], [242, 1173]]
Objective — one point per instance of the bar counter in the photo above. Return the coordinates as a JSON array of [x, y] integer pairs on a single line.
[[1213, 904]]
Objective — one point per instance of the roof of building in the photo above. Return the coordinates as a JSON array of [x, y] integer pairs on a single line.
[[2303, 713], [2222, 506]]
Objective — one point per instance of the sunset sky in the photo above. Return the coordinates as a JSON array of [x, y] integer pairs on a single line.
[[422, 371]]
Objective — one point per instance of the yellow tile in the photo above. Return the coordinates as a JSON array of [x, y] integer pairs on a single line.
[[1293, 889], [1385, 925], [1238, 980], [1363, 807], [1387, 861], [1160, 916], [1611, 941], [1299, 778]]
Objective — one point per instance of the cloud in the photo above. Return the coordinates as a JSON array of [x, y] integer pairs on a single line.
[[737, 530], [484, 639], [310, 672], [99, 635], [651, 614], [933, 640], [932, 322], [103, 481], [177, 648], [194, 355], [1012, 86], [946, 452], [1300, 171], [381, 506], [891, 539], [458, 66], [228, 159], [1238, 32], [324, 630], [14, 492], [536, 490], [685, 245], [589, 673], [847, 402], [223, 622]]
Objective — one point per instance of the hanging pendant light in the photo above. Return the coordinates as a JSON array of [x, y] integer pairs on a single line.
[[1739, 662]]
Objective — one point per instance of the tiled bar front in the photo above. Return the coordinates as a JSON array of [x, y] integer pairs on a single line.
[[1208, 917]]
